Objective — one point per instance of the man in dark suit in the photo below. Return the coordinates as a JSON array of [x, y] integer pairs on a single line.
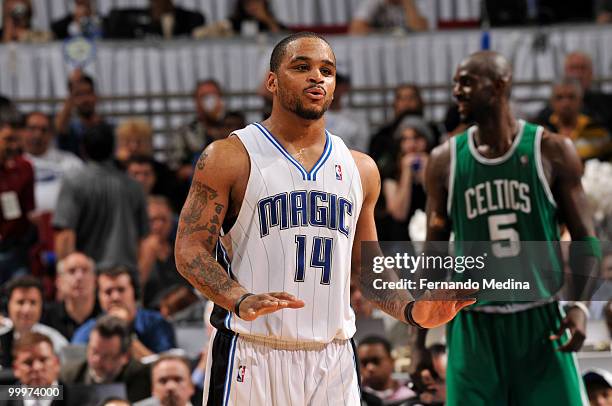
[[109, 360], [35, 363]]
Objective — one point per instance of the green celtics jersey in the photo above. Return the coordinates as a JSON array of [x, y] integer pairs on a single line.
[[507, 200]]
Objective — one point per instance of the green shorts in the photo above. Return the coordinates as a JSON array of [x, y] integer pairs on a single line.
[[508, 359]]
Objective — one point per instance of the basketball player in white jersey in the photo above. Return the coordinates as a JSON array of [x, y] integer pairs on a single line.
[[294, 205]]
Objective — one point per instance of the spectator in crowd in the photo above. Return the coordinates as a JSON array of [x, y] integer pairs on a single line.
[[252, 16], [25, 304], [377, 366], [158, 273], [50, 164], [372, 15], [83, 20], [352, 127], [135, 138], [35, 362], [192, 138], [595, 104], [76, 286], [161, 18], [17, 23], [171, 381], [591, 139], [403, 183], [117, 292], [142, 169], [407, 101], [233, 120], [17, 234], [109, 360], [598, 383], [101, 211], [78, 114], [430, 376]]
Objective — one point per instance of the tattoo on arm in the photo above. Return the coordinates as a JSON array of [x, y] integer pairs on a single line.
[[208, 276], [192, 213], [196, 239], [202, 161]]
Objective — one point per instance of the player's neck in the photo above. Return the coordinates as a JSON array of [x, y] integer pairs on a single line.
[[288, 128], [497, 129]]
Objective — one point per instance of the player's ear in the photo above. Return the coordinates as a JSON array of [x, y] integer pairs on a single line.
[[271, 82]]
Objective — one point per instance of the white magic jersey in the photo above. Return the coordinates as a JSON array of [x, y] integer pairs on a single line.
[[295, 233]]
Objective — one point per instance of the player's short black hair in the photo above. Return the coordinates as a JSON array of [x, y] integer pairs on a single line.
[[280, 49], [373, 340]]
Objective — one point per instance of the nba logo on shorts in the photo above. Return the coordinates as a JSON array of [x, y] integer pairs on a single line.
[[241, 372], [338, 172]]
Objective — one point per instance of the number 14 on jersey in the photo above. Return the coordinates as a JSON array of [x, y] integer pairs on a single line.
[[321, 250]]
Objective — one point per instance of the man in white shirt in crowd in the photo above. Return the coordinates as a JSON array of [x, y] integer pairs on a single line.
[[50, 164]]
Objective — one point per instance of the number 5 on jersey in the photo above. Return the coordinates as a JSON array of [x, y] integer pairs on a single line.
[[320, 257]]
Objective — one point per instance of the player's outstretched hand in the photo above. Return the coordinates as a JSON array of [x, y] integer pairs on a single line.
[[575, 322], [257, 305], [436, 308]]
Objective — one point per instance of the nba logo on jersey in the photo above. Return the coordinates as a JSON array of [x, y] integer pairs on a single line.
[[241, 372], [338, 172]]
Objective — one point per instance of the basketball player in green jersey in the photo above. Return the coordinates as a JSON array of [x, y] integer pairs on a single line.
[[510, 353]]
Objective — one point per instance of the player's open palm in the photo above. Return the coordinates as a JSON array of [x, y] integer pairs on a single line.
[[258, 305], [441, 306]]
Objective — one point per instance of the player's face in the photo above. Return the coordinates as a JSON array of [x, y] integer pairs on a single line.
[[306, 78], [376, 365], [37, 366], [473, 92], [172, 383]]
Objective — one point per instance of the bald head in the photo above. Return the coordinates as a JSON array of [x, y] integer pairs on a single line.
[[482, 84], [488, 64]]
